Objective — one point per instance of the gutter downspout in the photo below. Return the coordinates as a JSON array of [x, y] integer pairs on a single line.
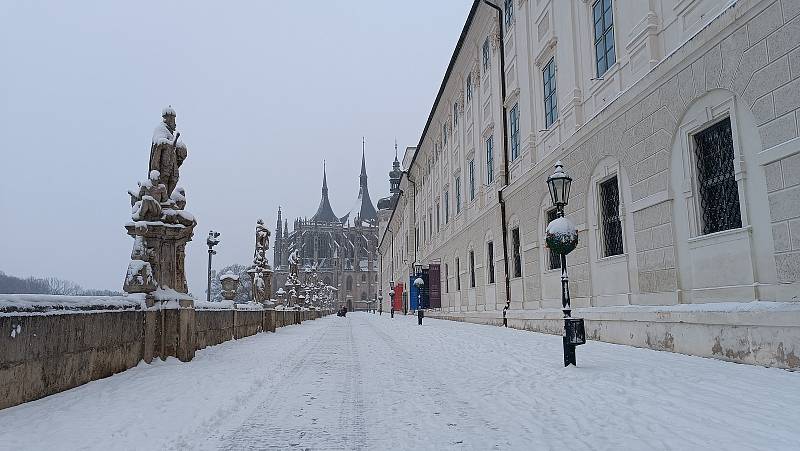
[[414, 210], [503, 222]]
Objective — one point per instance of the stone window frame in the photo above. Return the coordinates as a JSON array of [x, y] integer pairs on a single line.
[[611, 170], [457, 188], [690, 126], [471, 258], [491, 275], [516, 252], [604, 37]]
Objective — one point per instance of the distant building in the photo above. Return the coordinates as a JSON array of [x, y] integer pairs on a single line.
[[342, 249]]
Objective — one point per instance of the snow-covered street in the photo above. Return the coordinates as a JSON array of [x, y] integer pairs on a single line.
[[370, 382]]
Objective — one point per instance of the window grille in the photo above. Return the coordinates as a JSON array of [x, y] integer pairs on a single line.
[[550, 98], [486, 59], [469, 87], [446, 279], [438, 218], [555, 258], [609, 216], [446, 206], [489, 160], [455, 115], [603, 17], [458, 275], [458, 195], [472, 269], [490, 257], [719, 192], [516, 254], [471, 180], [514, 125]]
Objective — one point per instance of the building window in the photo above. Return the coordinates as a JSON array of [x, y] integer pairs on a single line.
[[458, 195], [509, 9], [349, 283], [550, 100], [444, 133], [469, 87], [363, 277], [438, 218], [471, 179], [416, 239], [489, 160], [446, 279], [514, 125], [603, 35], [430, 222], [458, 275], [486, 54], [555, 258], [446, 206], [609, 217], [716, 181], [490, 260], [472, 269], [455, 115], [515, 250]]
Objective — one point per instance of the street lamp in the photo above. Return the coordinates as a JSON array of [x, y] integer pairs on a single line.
[[211, 241], [419, 283], [380, 303], [562, 238], [391, 298]]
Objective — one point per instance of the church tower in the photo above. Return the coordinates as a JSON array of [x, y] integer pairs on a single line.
[[277, 257]]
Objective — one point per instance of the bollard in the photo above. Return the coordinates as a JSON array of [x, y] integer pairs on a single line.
[[420, 315]]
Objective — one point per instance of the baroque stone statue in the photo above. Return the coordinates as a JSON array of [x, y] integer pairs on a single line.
[[260, 272], [160, 225], [167, 152]]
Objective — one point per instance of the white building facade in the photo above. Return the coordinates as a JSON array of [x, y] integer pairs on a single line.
[[676, 119]]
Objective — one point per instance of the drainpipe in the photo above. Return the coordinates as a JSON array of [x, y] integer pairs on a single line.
[[414, 209], [503, 222]]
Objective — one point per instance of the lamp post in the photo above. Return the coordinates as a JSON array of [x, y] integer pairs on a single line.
[[419, 283], [211, 241], [391, 298], [380, 303], [562, 238]]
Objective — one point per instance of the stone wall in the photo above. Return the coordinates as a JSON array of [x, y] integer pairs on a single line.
[[758, 333], [50, 344], [46, 354]]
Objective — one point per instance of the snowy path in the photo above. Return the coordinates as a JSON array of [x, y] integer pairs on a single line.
[[369, 382]]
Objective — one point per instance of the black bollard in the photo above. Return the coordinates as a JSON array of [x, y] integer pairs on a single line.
[[392, 313], [420, 315]]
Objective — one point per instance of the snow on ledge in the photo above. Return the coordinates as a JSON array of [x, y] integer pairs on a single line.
[[16, 304], [206, 305]]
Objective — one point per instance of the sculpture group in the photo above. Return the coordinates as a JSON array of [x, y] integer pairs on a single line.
[[260, 272], [160, 225]]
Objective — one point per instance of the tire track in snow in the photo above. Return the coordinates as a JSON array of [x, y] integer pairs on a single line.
[[272, 381], [301, 411]]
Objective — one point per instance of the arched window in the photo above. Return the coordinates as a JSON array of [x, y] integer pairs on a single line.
[[349, 283]]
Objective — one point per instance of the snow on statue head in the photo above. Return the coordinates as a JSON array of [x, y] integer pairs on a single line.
[[561, 235], [169, 117], [154, 176]]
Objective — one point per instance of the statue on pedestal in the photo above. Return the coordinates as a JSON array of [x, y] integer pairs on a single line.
[[260, 272], [160, 226]]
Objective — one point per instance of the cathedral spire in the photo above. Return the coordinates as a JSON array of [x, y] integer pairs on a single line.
[[324, 211]]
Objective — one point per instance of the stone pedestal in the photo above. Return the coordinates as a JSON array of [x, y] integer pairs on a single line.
[[165, 251], [261, 277]]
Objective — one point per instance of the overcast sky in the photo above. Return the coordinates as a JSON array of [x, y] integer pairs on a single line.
[[263, 90]]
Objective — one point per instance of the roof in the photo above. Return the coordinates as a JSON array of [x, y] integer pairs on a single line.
[[324, 211]]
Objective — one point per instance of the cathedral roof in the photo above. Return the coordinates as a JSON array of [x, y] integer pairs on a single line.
[[324, 211]]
